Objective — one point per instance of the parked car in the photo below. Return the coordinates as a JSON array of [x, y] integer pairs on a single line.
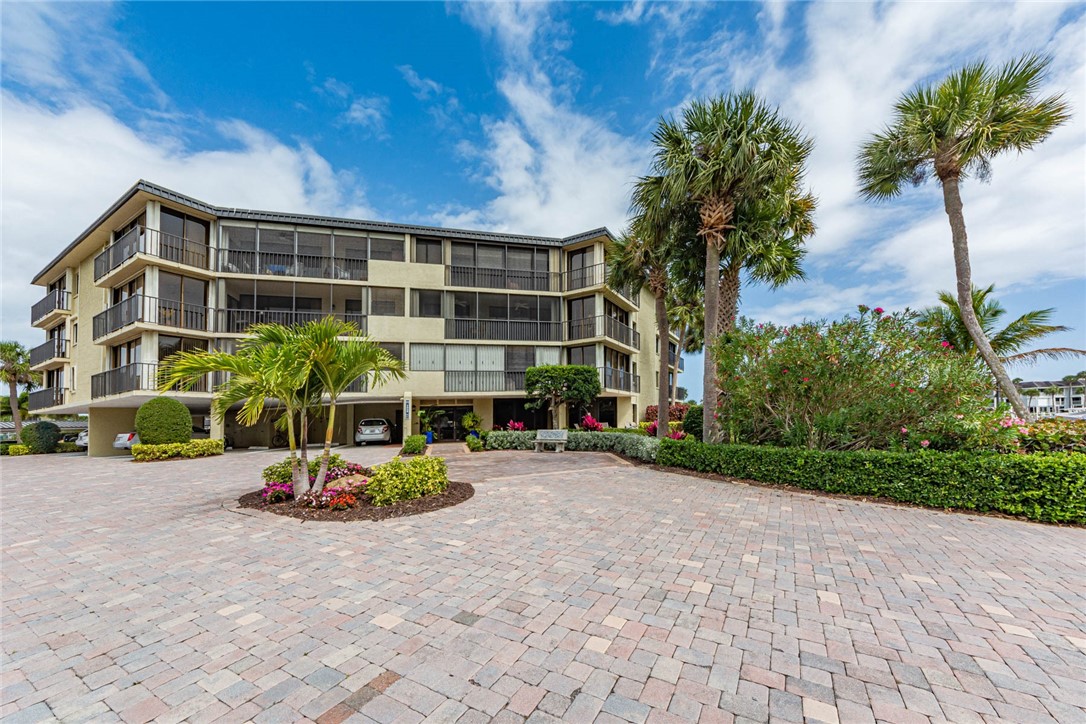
[[83, 439], [373, 430], [125, 440]]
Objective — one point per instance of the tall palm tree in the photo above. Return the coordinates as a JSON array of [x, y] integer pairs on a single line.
[[951, 131], [15, 371], [946, 322], [723, 152], [257, 372], [637, 259], [340, 356]]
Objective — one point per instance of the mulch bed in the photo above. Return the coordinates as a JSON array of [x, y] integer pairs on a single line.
[[455, 494]]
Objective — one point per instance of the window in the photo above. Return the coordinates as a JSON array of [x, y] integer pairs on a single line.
[[129, 289], [428, 251], [427, 357], [175, 225], [393, 348], [169, 345], [580, 259], [490, 257], [548, 355], [386, 248], [276, 241], [239, 238], [75, 332], [386, 302], [463, 254], [523, 307], [464, 305], [75, 283], [583, 355], [314, 244], [125, 354], [185, 290], [426, 303], [518, 359]]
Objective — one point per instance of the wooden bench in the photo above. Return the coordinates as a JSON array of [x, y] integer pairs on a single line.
[[558, 438]]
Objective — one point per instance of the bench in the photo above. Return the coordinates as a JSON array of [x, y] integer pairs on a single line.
[[558, 438]]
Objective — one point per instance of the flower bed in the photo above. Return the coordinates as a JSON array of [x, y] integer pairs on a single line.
[[1049, 487]]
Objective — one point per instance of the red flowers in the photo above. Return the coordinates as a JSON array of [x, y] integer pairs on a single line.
[[879, 310], [945, 344]]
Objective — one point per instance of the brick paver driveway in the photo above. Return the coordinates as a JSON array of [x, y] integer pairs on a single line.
[[571, 586]]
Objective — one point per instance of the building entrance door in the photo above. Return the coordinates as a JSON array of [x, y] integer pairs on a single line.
[[447, 427]]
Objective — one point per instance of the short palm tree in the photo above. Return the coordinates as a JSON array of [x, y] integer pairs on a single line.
[[15, 371], [686, 314], [951, 131], [341, 356], [723, 153], [946, 323]]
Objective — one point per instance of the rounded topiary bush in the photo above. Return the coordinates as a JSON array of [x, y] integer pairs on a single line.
[[163, 420], [692, 421], [40, 437]]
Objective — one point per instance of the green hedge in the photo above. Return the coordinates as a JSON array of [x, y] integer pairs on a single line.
[[399, 480], [1045, 487], [474, 444], [40, 437], [163, 420], [638, 447], [191, 449], [68, 447], [414, 445], [14, 450]]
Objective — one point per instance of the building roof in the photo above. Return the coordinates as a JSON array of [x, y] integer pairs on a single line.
[[308, 219], [1045, 384]]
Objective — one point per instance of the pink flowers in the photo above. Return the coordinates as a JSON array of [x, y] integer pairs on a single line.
[[945, 344], [591, 424], [879, 310], [904, 431], [514, 426], [925, 443]]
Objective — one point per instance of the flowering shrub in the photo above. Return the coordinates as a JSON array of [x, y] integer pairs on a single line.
[[514, 426], [633, 445], [675, 412], [650, 428], [868, 381], [277, 492], [1054, 435], [676, 435], [280, 472], [591, 424]]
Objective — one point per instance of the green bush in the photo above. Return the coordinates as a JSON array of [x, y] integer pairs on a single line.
[[142, 453], [474, 444], [398, 480], [68, 447], [624, 430], [280, 472], [633, 445], [511, 440], [693, 420], [14, 450], [163, 420], [40, 437], [5, 445], [414, 445], [1054, 435], [1049, 487]]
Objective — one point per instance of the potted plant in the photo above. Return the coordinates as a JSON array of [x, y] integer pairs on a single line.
[[426, 423], [471, 422]]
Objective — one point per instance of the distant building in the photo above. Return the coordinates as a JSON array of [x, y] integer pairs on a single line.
[[1052, 397]]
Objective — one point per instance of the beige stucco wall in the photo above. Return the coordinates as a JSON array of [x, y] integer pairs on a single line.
[[103, 425]]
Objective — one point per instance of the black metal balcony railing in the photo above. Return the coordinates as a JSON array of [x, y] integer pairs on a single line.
[[48, 397], [503, 329], [153, 242], [616, 379], [56, 299], [603, 326], [152, 310], [297, 265], [524, 280], [238, 321], [53, 349], [671, 357], [483, 381], [593, 276], [135, 377], [359, 385]]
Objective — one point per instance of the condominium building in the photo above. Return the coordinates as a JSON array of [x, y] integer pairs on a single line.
[[467, 311]]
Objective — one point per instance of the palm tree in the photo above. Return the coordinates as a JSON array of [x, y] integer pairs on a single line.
[[951, 131], [686, 313], [338, 363], [946, 323], [266, 366], [15, 371], [723, 153]]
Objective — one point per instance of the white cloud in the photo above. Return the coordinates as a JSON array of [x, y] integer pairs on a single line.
[[441, 101], [368, 112], [555, 169]]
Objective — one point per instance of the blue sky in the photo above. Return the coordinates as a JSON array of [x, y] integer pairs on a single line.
[[531, 118]]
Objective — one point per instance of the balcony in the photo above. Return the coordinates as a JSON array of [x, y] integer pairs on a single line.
[[53, 351], [52, 307], [594, 276], [514, 279], [503, 329], [151, 310], [233, 261], [671, 357], [238, 321], [603, 326], [136, 377], [46, 398], [616, 379], [152, 243], [483, 381]]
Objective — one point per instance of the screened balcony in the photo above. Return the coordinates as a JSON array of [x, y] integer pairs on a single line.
[[483, 381], [152, 310], [45, 398], [152, 242], [618, 379], [603, 326], [278, 301], [503, 329]]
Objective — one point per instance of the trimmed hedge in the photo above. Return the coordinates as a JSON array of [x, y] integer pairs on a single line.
[[638, 447], [40, 437], [1045, 487], [172, 450], [163, 420], [14, 450], [414, 445], [68, 447], [474, 444], [399, 480]]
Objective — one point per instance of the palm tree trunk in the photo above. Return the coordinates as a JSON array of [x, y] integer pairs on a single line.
[[663, 410], [327, 446], [712, 309], [295, 468], [303, 444], [16, 413], [952, 202], [730, 285], [678, 359]]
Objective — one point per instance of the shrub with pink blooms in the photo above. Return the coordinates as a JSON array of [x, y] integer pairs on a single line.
[[514, 426], [591, 424], [871, 380]]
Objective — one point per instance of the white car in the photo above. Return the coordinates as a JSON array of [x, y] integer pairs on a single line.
[[125, 440], [373, 430], [83, 439]]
